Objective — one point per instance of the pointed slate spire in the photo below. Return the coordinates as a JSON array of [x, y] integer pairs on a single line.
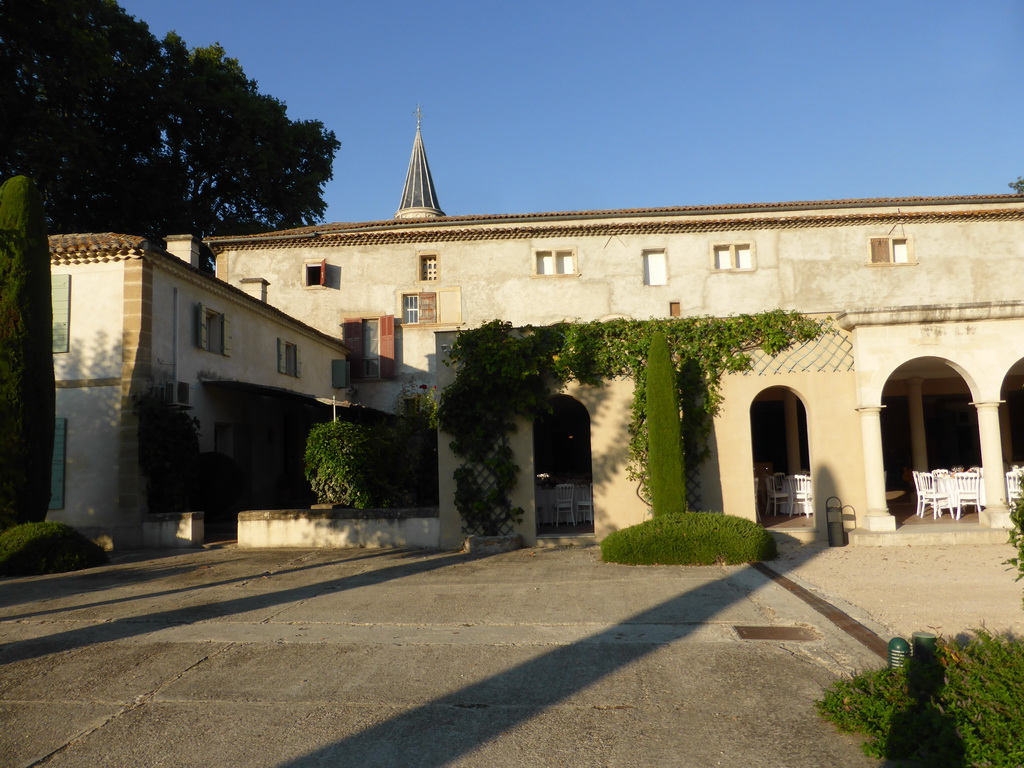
[[419, 200]]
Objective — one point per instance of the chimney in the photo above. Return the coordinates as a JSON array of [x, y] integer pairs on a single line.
[[255, 287], [185, 247]]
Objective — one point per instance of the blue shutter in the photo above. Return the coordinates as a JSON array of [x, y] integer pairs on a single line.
[[202, 340], [60, 299], [60, 428], [340, 374]]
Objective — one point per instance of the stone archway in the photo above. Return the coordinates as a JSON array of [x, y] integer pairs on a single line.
[[779, 444], [562, 455]]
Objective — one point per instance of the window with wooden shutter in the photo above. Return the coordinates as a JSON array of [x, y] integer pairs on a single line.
[[891, 250], [387, 346], [880, 250], [60, 299], [316, 274], [428, 307], [352, 336]]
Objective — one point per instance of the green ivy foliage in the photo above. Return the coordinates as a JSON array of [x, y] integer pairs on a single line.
[[1017, 537], [503, 373]]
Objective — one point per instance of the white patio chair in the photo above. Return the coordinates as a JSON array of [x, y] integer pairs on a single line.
[[563, 502], [968, 491], [943, 496], [776, 493], [924, 485], [803, 497], [584, 503], [1013, 487]]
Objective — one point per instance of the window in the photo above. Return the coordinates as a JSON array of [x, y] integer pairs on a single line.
[[371, 344], [340, 374], [288, 360], [555, 262], [890, 250], [60, 431], [733, 256], [316, 273], [674, 309], [655, 268], [60, 299], [418, 308], [213, 332], [428, 267]]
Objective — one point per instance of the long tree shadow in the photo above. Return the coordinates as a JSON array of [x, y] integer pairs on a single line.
[[107, 578], [123, 628]]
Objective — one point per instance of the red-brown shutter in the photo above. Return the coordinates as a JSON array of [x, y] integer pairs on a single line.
[[880, 250], [353, 337], [428, 307], [323, 272], [387, 346]]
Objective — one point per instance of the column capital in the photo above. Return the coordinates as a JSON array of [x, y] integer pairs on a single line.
[[988, 405], [869, 409]]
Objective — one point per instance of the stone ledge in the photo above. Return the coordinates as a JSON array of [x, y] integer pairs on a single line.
[[337, 527]]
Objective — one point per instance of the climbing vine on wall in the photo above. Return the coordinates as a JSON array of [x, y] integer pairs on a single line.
[[503, 373]]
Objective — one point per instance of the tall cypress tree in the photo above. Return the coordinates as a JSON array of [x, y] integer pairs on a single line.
[[26, 357], [667, 485]]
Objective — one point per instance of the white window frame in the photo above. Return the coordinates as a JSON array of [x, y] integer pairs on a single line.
[[733, 253], [655, 266], [552, 262], [410, 309], [898, 251]]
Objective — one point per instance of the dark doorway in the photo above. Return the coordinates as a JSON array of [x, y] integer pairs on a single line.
[[561, 453]]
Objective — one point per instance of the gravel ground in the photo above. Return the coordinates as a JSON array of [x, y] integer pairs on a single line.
[[948, 590]]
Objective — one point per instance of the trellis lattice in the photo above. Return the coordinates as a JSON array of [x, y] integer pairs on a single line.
[[832, 352], [490, 515]]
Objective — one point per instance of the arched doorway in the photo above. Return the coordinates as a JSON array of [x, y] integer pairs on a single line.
[[928, 422], [781, 452], [561, 454], [1011, 415]]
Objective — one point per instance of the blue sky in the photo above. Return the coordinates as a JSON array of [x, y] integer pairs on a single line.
[[548, 105]]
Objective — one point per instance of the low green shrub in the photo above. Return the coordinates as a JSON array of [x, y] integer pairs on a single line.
[[964, 708], [689, 538], [47, 547]]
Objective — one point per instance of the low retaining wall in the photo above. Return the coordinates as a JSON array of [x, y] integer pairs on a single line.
[[174, 529], [333, 527]]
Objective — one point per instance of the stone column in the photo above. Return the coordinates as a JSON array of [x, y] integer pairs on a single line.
[[792, 433], [995, 514], [877, 517], [918, 441]]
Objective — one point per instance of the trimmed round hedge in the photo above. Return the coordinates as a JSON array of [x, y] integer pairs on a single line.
[[689, 538], [33, 548]]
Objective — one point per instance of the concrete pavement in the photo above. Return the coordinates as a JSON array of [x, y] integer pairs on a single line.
[[225, 657]]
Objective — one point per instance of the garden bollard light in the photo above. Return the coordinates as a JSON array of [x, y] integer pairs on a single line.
[[899, 650], [924, 645]]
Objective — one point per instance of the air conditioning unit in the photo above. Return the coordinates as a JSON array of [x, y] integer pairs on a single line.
[[176, 393]]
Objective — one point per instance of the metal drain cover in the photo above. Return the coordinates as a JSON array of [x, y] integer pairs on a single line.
[[776, 633]]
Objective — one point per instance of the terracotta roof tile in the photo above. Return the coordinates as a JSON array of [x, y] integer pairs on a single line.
[[694, 210]]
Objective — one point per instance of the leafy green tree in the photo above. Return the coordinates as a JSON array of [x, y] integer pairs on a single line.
[[1018, 185], [26, 357], [127, 133], [664, 453]]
